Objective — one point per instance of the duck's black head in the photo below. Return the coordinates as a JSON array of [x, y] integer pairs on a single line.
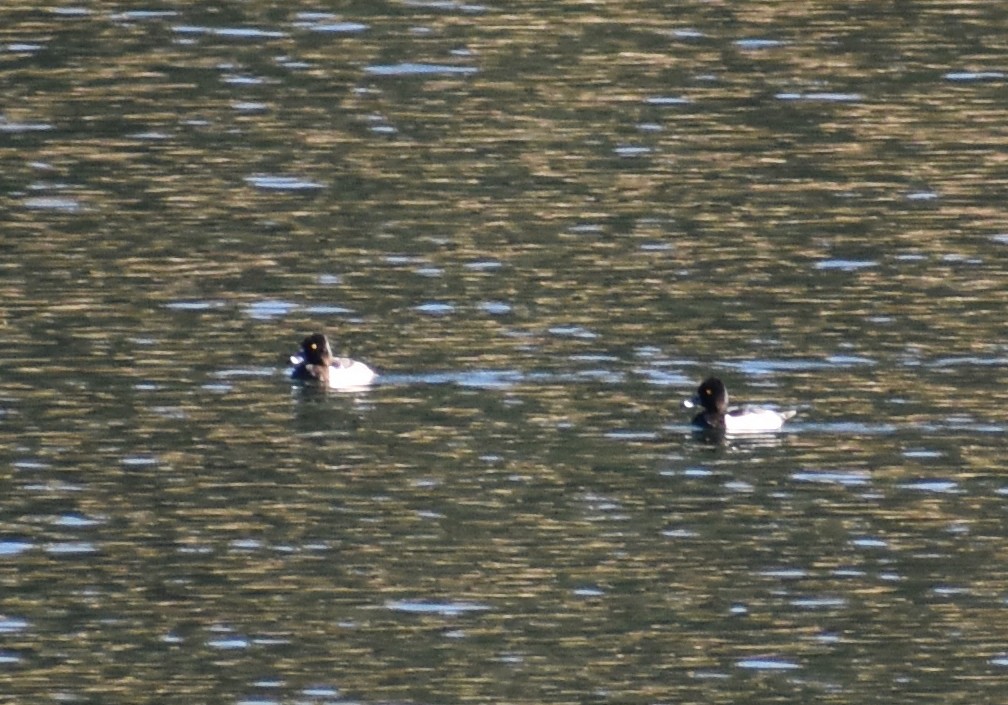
[[712, 396], [315, 350]]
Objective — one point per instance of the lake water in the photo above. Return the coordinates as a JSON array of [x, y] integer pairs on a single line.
[[543, 223]]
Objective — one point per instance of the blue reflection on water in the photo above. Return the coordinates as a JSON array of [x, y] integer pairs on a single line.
[[846, 265], [443, 608], [418, 69], [233, 32], [274, 182], [767, 664], [479, 379], [12, 548]]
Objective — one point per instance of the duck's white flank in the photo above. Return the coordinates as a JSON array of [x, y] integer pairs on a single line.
[[345, 373], [756, 420]]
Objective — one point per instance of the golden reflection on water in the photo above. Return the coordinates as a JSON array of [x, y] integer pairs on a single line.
[[799, 198]]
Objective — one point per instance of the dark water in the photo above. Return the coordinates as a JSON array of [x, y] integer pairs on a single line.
[[544, 223]]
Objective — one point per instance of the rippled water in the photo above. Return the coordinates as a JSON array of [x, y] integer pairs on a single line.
[[543, 224]]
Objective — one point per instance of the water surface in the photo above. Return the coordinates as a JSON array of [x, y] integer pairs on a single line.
[[543, 225]]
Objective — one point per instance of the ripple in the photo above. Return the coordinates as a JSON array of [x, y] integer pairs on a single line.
[[849, 360], [272, 182], [632, 151], [495, 308], [630, 435], [663, 378], [328, 310], [144, 15], [670, 100], [758, 44], [23, 48], [950, 591], [785, 573], [446, 5], [310, 16], [219, 388], [766, 664], [765, 367], [847, 479], [871, 428], [869, 542], [451, 609], [965, 76], [921, 453], [697, 472], [230, 32], [245, 544], [418, 69], [244, 372], [270, 308], [12, 548], [62, 204], [477, 379], [848, 573], [249, 106], [572, 332], [679, 533], [967, 360], [435, 308], [30, 465], [485, 265], [193, 305], [403, 260], [340, 27], [76, 521], [6, 126], [320, 691], [823, 97], [937, 486], [139, 461], [150, 136], [846, 265], [11, 625], [293, 64], [235, 80], [656, 247], [819, 603], [71, 548]]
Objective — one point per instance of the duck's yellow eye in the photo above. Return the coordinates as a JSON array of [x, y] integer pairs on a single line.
[[314, 346], [707, 392]]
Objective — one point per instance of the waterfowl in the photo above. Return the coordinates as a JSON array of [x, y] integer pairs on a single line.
[[316, 363], [712, 398]]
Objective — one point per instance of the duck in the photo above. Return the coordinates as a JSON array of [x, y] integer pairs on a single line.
[[712, 398], [316, 364]]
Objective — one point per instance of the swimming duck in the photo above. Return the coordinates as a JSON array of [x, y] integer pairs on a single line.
[[712, 397], [315, 363]]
